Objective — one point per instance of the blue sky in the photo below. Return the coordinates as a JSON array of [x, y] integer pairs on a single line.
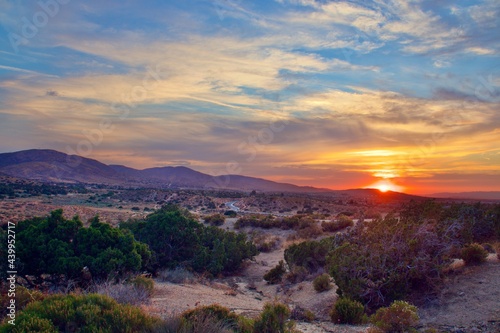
[[325, 93]]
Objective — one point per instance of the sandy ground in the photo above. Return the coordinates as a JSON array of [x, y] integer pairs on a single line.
[[235, 294], [469, 299]]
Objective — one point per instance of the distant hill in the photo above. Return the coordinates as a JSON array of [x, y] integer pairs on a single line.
[[493, 195], [54, 166]]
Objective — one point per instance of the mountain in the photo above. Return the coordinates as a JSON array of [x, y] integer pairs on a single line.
[[54, 166], [493, 195]]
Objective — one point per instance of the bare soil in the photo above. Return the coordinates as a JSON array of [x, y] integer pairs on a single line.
[[469, 301]]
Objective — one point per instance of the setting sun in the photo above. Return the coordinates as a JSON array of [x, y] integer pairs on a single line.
[[386, 185], [383, 188]]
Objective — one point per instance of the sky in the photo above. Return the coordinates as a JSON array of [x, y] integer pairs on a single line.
[[332, 94]]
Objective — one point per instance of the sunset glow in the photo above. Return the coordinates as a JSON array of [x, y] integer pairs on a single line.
[[393, 95], [386, 185]]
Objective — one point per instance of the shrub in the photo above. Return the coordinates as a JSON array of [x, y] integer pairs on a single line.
[[24, 296], [215, 219], [274, 319], [297, 274], [309, 254], [299, 313], [488, 247], [265, 243], [389, 258], [123, 293], [322, 283], [55, 245], [96, 313], [398, 317], [145, 283], [230, 213], [497, 248], [178, 239], [177, 275], [311, 231], [342, 222], [275, 275], [218, 315], [474, 254], [347, 311]]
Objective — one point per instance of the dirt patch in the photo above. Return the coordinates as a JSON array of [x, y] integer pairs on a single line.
[[469, 301]]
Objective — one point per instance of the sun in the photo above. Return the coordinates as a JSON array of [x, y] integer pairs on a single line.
[[386, 185], [383, 188]]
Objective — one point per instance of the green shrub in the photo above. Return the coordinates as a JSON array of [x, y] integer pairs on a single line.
[[474, 254], [347, 311], [309, 254], [217, 314], [322, 283], [274, 319], [91, 313], [55, 245], [397, 318], [179, 240], [275, 275]]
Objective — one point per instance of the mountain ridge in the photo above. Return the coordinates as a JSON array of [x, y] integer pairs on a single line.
[[55, 166]]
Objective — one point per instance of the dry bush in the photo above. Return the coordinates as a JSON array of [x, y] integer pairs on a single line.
[[340, 223], [474, 254], [123, 293], [266, 243], [177, 275], [310, 232], [213, 319], [322, 283], [145, 283], [398, 317], [296, 275], [301, 314]]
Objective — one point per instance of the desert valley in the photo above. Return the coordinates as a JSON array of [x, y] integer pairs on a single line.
[[282, 221]]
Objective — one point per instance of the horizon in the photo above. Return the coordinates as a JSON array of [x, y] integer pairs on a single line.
[[347, 94], [381, 186]]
